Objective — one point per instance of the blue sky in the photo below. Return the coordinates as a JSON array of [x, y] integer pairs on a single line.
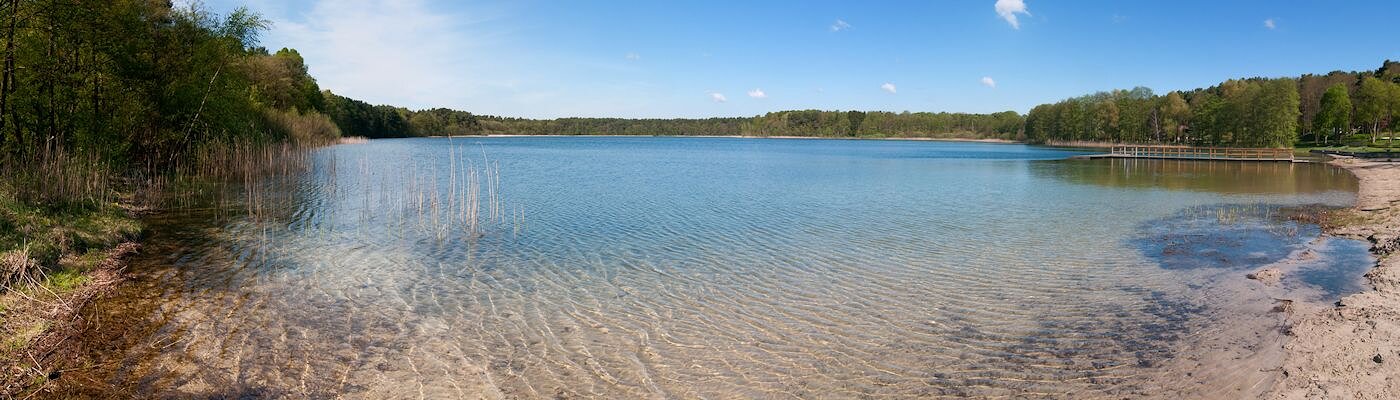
[[625, 58]]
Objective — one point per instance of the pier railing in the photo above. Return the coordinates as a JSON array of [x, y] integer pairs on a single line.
[[1203, 153]]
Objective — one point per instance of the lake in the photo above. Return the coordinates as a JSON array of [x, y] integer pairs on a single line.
[[724, 267]]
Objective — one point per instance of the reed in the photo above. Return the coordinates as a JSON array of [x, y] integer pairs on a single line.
[[461, 195], [55, 177]]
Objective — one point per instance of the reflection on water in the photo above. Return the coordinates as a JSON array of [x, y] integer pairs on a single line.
[[1217, 177], [655, 267]]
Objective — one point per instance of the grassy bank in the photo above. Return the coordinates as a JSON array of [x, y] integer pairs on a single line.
[[53, 260]]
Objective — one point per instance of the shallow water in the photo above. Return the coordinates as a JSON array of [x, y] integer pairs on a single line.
[[717, 268]]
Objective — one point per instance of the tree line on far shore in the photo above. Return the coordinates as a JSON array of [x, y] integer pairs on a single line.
[[1254, 112], [357, 118]]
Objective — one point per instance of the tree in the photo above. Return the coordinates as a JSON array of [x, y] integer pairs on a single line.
[[1275, 114], [1334, 115], [1373, 103], [1175, 114]]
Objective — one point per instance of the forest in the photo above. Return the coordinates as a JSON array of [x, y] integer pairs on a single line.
[[1255, 112], [94, 90], [357, 118]]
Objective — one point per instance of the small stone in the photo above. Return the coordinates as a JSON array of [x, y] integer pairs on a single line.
[[1268, 276], [1378, 359]]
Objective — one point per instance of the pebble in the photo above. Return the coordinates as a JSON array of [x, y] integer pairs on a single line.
[[1378, 359]]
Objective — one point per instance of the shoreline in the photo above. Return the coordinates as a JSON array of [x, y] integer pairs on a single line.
[[913, 139], [1352, 349], [57, 347], [1323, 352]]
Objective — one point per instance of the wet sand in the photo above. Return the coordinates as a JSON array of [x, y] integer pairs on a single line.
[[1352, 350]]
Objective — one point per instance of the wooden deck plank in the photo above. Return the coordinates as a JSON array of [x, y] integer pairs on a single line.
[[1201, 153]]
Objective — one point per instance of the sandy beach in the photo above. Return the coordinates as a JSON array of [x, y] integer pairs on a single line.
[[1352, 350]]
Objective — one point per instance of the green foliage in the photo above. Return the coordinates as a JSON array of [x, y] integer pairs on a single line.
[[1334, 113], [1004, 125], [1311, 89], [1377, 104], [855, 118], [443, 122], [42, 234], [358, 118], [1252, 113], [135, 84], [281, 81]]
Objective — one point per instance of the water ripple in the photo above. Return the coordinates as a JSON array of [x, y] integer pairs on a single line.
[[665, 269]]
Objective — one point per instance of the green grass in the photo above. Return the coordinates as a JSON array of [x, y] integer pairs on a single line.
[[1355, 143], [48, 232], [65, 242], [1352, 149]]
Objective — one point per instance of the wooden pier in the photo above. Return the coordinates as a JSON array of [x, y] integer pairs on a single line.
[[1198, 153]]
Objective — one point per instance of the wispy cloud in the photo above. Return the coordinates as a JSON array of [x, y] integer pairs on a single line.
[[1008, 9], [989, 82], [1269, 23], [758, 94], [840, 25], [633, 56], [346, 42], [718, 97], [888, 87]]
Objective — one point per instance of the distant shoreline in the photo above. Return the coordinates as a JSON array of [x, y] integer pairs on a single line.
[[916, 139]]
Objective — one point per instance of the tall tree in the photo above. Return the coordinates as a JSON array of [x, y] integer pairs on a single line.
[[1334, 115], [1175, 115], [1373, 100]]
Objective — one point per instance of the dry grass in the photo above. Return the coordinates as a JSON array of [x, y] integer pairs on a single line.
[[306, 129], [55, 177], [17, 266]]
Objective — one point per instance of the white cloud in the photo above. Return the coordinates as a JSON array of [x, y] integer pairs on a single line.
[[1008, 9], [840, 25], [633, 56], [418, 52], [989, 82], [758, 94], [718, 97], [1269, 23], [888, 87]]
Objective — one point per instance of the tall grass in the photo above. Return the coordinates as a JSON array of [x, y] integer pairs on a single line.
[[471, 202], [310, 128], [53, 176]]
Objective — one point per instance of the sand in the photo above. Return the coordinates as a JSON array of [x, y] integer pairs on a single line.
[[1352, 350]]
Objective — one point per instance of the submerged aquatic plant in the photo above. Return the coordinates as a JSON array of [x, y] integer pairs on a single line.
[[1222, 236]]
